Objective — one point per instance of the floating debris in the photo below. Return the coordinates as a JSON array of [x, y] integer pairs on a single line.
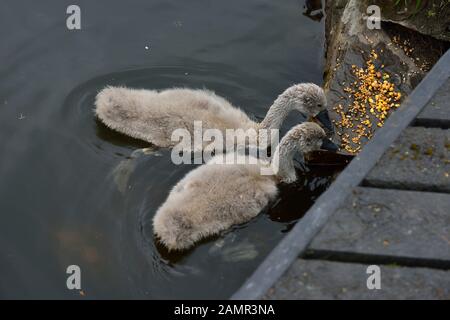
[[372, 97]]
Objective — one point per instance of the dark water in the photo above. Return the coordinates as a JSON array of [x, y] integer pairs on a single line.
[[62, 200]]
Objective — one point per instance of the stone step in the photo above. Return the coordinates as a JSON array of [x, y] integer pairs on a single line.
[[316, 279], [393, 226], [418, 160], [437, 112]]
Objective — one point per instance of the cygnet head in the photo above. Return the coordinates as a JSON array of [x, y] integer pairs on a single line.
[[309, 99], [309, 137], [306, 137]]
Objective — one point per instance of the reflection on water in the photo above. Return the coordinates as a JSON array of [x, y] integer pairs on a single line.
[[74, 192]]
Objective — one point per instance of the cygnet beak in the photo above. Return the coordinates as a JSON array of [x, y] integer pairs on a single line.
[[324, 118], [327, 144]]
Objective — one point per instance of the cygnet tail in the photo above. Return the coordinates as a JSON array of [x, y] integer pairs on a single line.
[[124, 110]]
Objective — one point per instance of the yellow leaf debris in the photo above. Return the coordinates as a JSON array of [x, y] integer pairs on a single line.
[[371, 99]]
